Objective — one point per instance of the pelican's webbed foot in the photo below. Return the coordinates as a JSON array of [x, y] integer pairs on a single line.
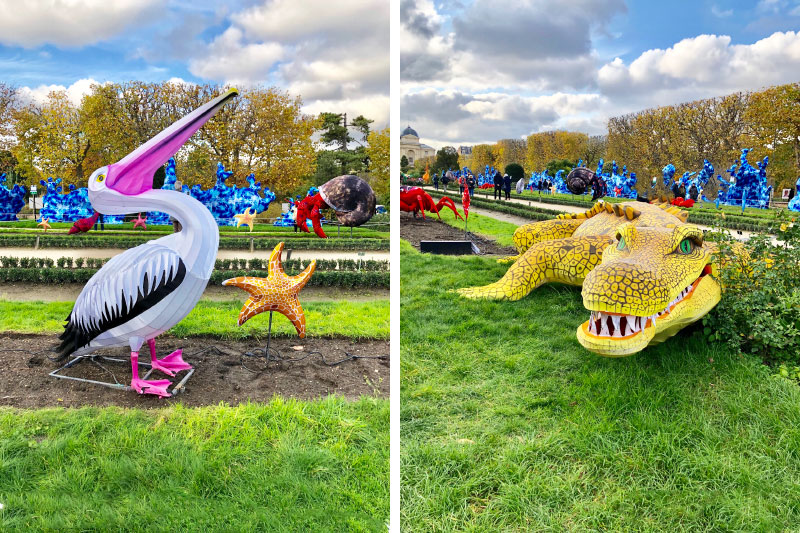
[[157, 387], [170, 364]]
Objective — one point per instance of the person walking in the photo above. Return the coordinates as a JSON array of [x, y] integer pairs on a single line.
[[471, 185], [507, 186], [498, 185], [436, 181], [461, 181], [445, 181]]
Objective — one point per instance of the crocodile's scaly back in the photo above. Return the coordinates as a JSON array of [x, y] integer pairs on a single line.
[[610, 217]]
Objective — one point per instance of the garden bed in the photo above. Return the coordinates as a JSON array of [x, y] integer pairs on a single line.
[[416, 230], [218, 377]]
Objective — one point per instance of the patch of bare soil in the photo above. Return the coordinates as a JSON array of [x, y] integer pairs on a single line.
[[219, 375], [415, 230]]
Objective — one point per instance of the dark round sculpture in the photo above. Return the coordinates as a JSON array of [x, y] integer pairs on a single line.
[[351, 197], [579, 180]]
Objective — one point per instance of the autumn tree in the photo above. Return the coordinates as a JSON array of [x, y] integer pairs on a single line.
[[7, 106], [52, 139], [595, 150], [482, 155], [378, 153], [510, 151], [262, 132], [774, 116], [549, 145]]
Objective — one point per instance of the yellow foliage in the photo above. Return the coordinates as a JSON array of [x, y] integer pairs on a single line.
[[262, 132], [549, 145], [379, 157]]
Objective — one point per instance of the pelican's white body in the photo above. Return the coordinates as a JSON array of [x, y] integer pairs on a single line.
[[123, 276]]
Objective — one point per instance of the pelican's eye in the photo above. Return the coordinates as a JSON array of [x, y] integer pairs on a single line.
[[101, 177]]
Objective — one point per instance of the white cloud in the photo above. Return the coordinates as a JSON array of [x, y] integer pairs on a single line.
[[289, 20], [472, 73], [75, 92], [228, 58], [70, 23], [372, 107], [703, 66], [454, 117], [333, 54]]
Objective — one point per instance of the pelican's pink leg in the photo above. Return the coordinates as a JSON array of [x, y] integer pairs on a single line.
[[170, 364], [157, 387]]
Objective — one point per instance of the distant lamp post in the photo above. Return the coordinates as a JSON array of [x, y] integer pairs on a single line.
[[33, 197]]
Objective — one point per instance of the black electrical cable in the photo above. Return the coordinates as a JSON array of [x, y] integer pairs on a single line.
[[274, 357], [52, 349]]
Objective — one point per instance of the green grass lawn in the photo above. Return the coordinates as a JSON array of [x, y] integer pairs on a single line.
[[497, 230], [284, 466], [319, 466], [508, 424], [359, 320]]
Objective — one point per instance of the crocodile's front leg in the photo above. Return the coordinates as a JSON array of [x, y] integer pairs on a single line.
[[545, 230], [563, 260]]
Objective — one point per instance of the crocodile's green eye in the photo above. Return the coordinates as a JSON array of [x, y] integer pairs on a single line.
[[621, 245], [686, 246]]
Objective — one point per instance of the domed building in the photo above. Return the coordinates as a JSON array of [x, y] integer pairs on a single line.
[[412, 148]]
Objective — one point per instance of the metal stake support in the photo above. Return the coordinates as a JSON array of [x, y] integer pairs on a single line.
[[116, 385]]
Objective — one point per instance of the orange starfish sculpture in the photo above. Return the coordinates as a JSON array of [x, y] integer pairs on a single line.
[[45, 224], [245, 218], [277, 292]]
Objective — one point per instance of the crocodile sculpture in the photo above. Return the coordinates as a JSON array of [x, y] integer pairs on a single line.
[[645, 273]]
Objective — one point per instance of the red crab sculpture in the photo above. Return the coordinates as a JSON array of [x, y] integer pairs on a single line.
[[415, 199], [683, 202], [349, 196]]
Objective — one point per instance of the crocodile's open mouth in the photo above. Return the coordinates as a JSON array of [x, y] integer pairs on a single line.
[[631, 333]]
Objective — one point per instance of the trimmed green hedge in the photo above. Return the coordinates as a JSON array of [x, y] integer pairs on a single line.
[[291, 266], [334, 278], [510, 208], [225, 243]]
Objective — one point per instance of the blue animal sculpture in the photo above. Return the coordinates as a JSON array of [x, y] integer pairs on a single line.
[[11, 200]]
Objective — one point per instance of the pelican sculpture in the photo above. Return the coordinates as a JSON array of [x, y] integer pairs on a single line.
[[146, 290]]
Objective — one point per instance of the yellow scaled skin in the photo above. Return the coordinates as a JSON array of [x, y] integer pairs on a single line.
[[639, 280]]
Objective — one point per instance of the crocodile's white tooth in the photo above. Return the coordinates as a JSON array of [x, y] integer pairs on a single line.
[[603, 328], [615, 321]]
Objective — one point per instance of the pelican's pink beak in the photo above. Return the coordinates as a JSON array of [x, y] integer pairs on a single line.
[[133, 174]]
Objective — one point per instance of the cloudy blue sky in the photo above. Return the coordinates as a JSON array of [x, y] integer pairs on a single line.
[[334, 54], [481, 70]]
